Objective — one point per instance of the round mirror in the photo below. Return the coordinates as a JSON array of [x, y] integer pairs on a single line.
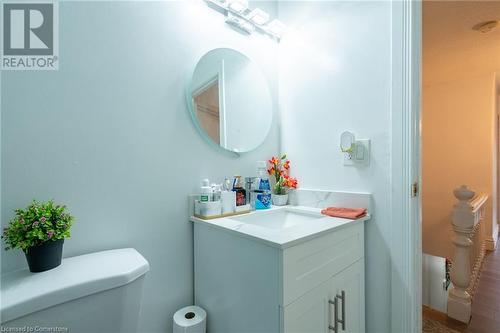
[[346, 142], [230, 100]]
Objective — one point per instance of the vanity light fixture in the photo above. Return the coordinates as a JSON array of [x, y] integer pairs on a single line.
[[239, 16], [258, 16], [276, 27], [221, 2], [238, 6], [239, 23]]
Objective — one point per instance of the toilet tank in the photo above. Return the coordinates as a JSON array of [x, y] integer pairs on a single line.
[[96, 292]]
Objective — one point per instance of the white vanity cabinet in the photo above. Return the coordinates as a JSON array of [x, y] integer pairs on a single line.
[[247, 284], [340, 300]]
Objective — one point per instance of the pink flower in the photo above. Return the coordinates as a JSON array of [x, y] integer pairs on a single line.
[[50, 234], [35, 224], [43, 219]]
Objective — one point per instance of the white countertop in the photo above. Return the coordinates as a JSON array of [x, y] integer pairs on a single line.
[[281, 238]]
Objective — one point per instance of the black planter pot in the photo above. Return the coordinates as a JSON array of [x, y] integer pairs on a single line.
[[45, 256]]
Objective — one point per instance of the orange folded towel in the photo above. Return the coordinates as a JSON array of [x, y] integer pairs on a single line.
[[346, 213]]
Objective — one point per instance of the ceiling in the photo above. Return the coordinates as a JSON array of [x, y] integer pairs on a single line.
[[451, 49]]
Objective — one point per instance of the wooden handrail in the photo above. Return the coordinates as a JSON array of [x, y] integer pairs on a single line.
[[478, 202]]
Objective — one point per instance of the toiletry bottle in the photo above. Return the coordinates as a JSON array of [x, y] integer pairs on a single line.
[[206, 192], [263, 194], [249, 184], [228, 197], [227, 185], [241, 197], [250, 187], [217, 189]]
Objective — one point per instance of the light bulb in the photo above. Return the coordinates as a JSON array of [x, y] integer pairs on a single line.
[[238, 5], [276, 27], [258, 16]]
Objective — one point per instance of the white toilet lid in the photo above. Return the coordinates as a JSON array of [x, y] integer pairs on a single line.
[[23, 292]]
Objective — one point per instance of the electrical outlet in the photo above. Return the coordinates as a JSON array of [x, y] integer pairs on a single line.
[[361, 154]]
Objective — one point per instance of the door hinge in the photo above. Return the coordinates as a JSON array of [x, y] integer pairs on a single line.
[[414, 189]]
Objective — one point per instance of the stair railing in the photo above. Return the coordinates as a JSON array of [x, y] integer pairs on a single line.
[[469, 250]]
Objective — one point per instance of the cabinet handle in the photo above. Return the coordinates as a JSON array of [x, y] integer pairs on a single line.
[[340, 321], [335, 304]]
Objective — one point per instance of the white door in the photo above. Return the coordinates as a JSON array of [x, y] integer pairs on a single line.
[[310, 313], [348, 289]]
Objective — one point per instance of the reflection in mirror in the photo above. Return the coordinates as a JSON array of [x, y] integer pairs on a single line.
[[230, 100], [206, 103]]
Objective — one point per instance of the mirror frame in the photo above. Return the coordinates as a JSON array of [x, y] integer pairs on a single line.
[[192, 113]]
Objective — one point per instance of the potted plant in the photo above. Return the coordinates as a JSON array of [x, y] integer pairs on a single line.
[[39, 230], [280, 168]]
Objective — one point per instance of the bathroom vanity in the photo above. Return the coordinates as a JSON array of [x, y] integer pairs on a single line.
[[287, 269]]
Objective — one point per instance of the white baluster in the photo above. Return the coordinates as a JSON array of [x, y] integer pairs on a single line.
[[459, 300]]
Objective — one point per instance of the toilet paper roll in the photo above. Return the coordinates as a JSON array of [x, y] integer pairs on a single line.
[[191, 319]]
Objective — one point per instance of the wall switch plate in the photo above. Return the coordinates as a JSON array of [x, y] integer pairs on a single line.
[[361, 154]]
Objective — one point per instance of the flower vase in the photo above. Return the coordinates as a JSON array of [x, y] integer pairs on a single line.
[[280, 199]]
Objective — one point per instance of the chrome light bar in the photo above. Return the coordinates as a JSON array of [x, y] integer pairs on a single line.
[[247, 20]]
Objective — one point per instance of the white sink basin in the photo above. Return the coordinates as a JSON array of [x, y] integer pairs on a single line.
[[279, 219], [279, 226]]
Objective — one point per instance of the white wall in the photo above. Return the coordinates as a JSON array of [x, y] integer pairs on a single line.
[[109, 134], [335, 75], [458, 147]]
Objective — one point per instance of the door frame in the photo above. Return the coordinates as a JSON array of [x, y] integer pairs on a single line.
[[406, 231]]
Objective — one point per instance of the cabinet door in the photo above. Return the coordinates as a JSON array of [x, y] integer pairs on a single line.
[[310, 313], [350, 307]]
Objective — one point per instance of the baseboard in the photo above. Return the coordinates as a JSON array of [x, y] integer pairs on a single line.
[[491, 243], [436, 314]]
